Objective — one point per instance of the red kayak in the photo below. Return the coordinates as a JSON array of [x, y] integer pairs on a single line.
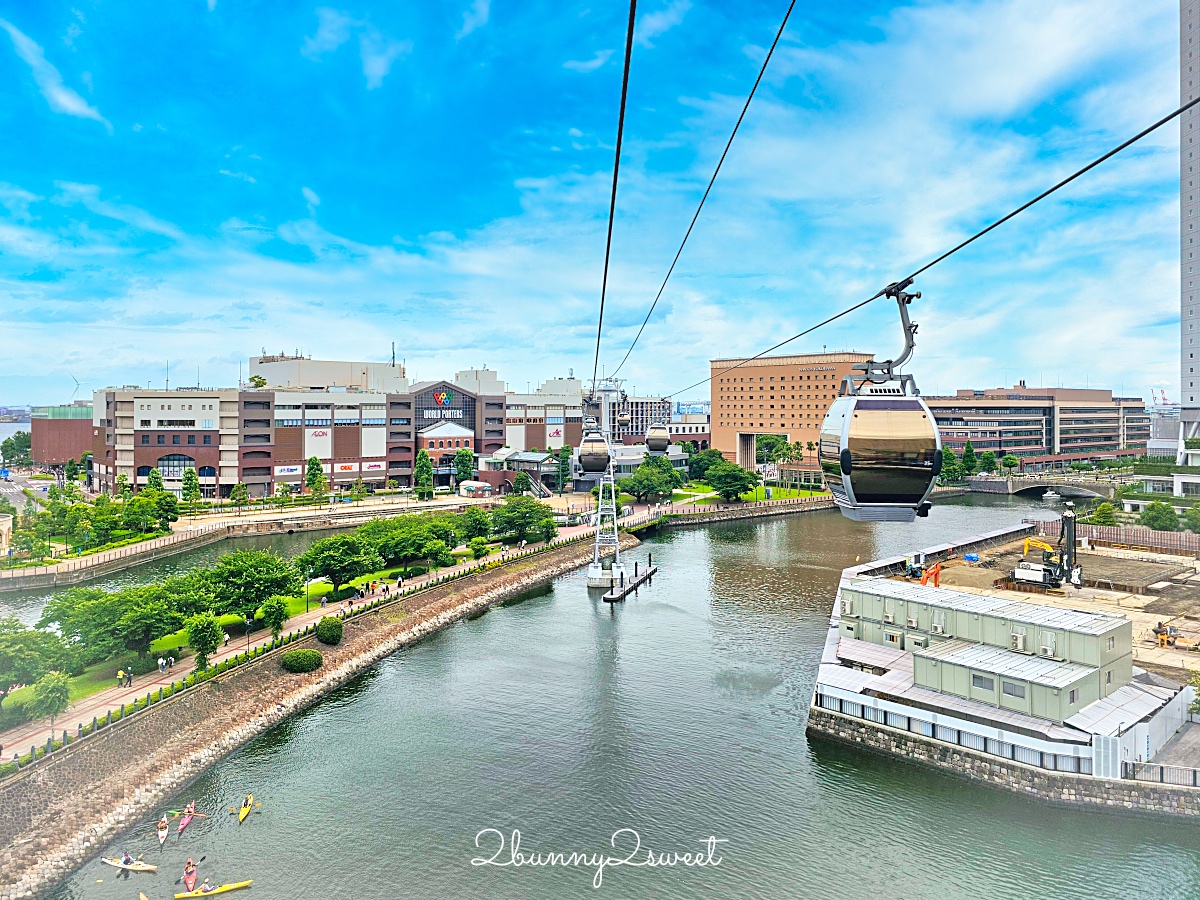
[[183, 823], [189, 881]]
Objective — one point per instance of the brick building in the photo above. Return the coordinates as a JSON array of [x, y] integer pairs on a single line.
[[60, 433]]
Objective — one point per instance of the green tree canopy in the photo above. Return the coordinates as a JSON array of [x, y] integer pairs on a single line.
[[275, 614], [191, 485], [987, 462], [154, 480], [1192, 519], [647, 484], [970, 465], [522, 483], [766, 446], [731, 481], [145, 620], [1105, 514], [26, 654], [243, 580], [51, 695], [257, 382], [15, 449], [563, 470], [473, 522], [1010, 461], [314, 473], [479, 547], [340, 558], [699, 463], [1159, 516], [423, 475], [546, 530], [464, 464], [204, 636], [437, 553], [519, 516]]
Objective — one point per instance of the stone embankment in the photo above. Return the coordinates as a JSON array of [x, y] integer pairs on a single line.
[[56, 815], [762, 509], [1061, 788]]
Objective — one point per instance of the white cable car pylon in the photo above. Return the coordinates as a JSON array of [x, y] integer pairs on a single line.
[[596, 457], [880, 451]]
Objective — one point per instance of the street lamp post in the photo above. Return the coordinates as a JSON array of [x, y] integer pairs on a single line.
[[248, 623]]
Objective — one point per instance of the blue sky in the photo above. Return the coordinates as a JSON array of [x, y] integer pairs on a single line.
[[197, 180]]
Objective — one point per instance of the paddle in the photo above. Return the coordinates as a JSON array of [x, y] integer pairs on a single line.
[[234, 809], [200, 860]]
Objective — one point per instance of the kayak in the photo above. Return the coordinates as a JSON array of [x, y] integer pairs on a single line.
[[220, 889], [134, 866], [163, 831], [184, 822], [246, 807], [142, 896], [189, 881]]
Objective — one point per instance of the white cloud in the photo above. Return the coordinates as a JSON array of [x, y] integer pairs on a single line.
[[377, 50], [660, 22], [589, 65], [311, 198], [49, 81], [242, 175], [476, 16], [88, 196], [16, 200]]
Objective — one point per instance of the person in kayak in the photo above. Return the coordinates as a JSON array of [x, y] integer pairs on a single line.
[[164, 822], [190, 809], [248, 801], [126, 858], [189, 868], [206, 887]]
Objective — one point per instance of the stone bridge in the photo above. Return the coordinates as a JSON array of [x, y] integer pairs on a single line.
[[1029, 485]]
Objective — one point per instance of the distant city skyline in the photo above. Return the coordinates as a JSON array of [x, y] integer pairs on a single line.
[[181, 190]]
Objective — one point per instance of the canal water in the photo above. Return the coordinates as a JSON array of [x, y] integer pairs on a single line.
[[28, 605], [679, 714]]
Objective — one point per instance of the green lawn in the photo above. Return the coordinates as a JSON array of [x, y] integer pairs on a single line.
[[94, 679]]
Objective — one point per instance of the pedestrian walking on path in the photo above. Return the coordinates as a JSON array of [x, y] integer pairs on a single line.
[[162, 665]]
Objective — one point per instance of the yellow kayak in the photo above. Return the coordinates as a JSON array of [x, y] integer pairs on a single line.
[[247, 805], [220, 889], [134, 866]]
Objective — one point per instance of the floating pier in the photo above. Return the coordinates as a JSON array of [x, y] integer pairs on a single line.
[[625, 587]]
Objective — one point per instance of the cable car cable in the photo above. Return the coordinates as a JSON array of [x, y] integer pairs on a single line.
[[612, 203], [711, 181], [906, 281]]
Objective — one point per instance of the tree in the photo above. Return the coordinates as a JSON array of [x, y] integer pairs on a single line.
[[519, 516], [242, 581], [71, 470], [166, 509], [766, 445], [479, 547], [274, 614], [522, 484], [191, 485], [204, 636], [647, 484], [1009, 462], [314, 473], [146, 621], [239, 495], [423, 475], [970, 465], [546, 529], [987, 461], [563, 471], [154, 480], [1106, 514], [473, 522], [437, 554], [27, 654], [257, 382], [51, 695], [15, 449], [700, 463], [340, 558], [731, 481], [1159, 516], [464, 465], [951, 468], [123, 490], [358, 490]]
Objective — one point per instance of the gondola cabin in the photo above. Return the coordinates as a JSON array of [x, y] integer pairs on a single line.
[[880, 453], [658, 438], [593, 453]]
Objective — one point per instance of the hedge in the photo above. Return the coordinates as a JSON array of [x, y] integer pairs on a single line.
[[300, 661], [329, 630]]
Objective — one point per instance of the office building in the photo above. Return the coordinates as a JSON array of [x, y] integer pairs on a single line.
[[285, 371], [1045, 427], [548, 418], [785, 395], [60, 433]]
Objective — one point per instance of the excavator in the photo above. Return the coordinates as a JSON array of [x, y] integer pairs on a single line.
[[1059, 564]]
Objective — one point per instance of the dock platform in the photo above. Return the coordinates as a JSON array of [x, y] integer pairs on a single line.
[[620, 592]]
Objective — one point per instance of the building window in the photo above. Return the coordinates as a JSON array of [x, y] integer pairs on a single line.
[[145, 423], [891, 637], [173, 466], [207, 439], [1108, 677], [983, 683], [191, 439], [1013, 690], [1072, 696], [208, 472], [145, 438], [1112, 642], [162, 439], [174, 439]]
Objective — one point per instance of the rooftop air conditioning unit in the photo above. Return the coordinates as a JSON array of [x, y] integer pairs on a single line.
[[847, 607], [936, 628], [889, 618], [1017, 642], [1046, 651], [912, 623]]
